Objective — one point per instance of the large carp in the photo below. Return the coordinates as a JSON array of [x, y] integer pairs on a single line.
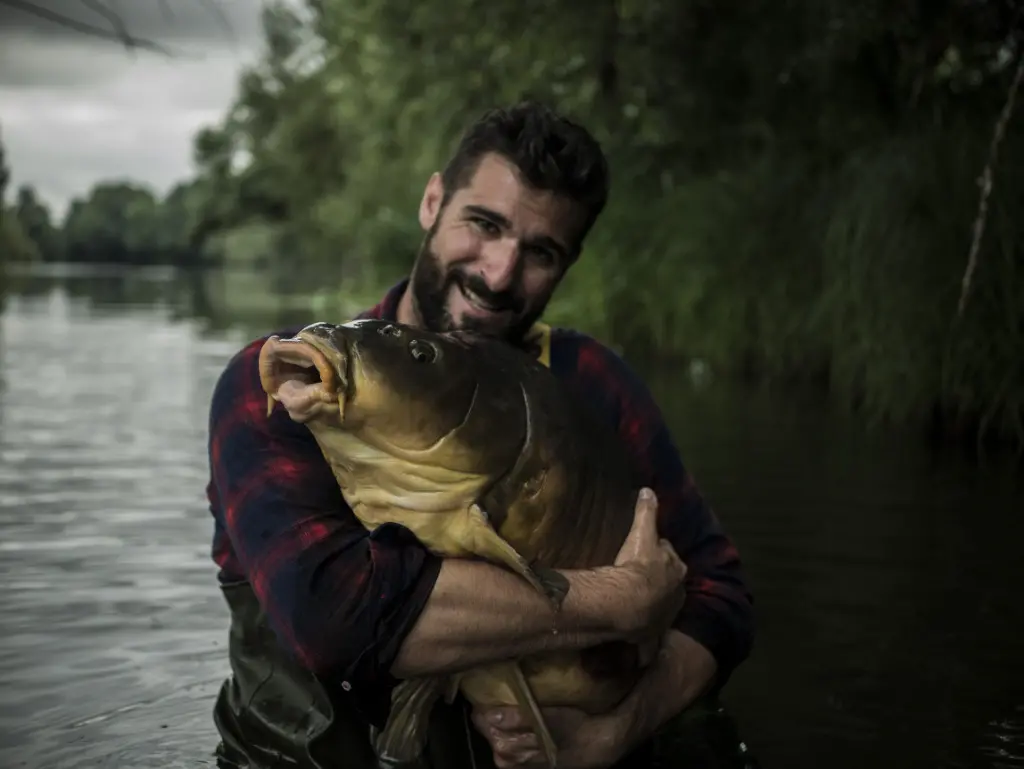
[[481, 452]]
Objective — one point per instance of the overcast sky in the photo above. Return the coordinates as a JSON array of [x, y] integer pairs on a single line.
[[75, 109]]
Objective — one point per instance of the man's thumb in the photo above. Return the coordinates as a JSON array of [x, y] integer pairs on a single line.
[[644, 519]]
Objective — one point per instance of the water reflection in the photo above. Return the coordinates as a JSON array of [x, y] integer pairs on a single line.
[[112, 643], [886, 576], [886, 581]]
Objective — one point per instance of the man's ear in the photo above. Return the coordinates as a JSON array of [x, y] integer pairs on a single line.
[[430, 204]]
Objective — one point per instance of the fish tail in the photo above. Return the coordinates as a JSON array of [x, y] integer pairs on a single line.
[[528, 705], [404, 736]]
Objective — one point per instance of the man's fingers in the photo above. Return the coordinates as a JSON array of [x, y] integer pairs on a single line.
[[503, 742], [504, 719], [509, 719], [671, 552], [647, 650], [515, 750], [532, 758], [645, 520], [643, 532]]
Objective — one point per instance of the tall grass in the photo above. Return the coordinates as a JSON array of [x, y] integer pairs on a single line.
[[849, 275]]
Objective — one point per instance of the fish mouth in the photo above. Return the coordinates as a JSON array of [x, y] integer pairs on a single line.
[[303, 374]]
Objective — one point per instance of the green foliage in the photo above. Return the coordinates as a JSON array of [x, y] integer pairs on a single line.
[[15, 244], [118, 222], [793, 183], [33, 219]]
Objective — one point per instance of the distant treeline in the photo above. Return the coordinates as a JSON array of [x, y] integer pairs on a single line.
[[116, 222], [795, 186]]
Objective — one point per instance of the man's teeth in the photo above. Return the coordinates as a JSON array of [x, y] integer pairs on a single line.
[[476, 301]]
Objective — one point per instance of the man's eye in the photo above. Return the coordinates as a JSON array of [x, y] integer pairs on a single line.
[[543, 256], [486, 226]]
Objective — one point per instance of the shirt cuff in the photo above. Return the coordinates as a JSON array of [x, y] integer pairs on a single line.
[[369, 680]]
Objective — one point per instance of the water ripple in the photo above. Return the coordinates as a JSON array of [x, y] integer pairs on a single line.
[[887, 582], [114, 632]]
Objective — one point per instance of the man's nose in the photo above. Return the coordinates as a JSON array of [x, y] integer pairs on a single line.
[[499, 266]]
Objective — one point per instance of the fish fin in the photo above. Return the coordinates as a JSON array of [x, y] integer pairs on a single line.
[[527, 704], [404, 736], [556, 584], [490, 545], [453, 688]]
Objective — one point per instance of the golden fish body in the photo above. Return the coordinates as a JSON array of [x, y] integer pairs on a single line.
[[480, 452]]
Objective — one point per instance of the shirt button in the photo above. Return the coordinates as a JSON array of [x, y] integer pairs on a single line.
[[346, 686]]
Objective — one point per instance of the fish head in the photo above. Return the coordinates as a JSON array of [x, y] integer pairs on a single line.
[[407, 391]]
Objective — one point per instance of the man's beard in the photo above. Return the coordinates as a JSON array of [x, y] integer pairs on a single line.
[[431, 287]]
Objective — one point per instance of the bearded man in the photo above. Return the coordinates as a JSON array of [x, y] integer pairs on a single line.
[[327, 618]]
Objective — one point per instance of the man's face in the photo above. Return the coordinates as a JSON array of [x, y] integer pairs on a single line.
[[492, 257]]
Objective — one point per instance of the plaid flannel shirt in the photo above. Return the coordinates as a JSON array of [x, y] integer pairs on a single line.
[[342, 599]]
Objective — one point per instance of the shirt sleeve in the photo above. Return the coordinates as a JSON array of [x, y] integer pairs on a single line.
[[341, 600], [718, 612]]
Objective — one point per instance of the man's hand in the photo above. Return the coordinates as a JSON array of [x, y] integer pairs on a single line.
[[651, 573], [682, 671], [584, 741]]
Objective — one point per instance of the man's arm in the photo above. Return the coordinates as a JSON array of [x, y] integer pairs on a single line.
[[335, 596], [356, 606], [478, 613], [718, 610], [682, 672]]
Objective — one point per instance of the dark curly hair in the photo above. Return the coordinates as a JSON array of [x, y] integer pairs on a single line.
[[551, 152]]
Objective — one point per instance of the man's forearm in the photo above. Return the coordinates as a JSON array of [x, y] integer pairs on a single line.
[[480, 613], [683, 670]]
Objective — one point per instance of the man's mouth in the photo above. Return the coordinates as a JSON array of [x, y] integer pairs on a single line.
[[477, 302], [298, 375]]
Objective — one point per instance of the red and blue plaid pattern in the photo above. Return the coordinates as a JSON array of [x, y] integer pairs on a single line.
[[342, 599]]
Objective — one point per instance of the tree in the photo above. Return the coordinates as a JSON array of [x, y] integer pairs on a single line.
[[15, 246], [33, 217]]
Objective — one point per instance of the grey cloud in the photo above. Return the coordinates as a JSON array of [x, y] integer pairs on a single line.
[[76, 110], [138, 125], [185, 25]]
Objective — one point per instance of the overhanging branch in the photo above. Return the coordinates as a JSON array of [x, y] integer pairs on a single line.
[[985, 182], [118, 33]]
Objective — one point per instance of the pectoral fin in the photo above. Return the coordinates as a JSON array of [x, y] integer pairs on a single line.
[[453, 688], [556, 585], [527, 704], [404, 736], [488, 544]]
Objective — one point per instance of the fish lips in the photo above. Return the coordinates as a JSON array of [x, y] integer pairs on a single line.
[[299, 375]]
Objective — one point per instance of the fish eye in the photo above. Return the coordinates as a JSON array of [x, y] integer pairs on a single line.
[[422, 352], [389, 330]]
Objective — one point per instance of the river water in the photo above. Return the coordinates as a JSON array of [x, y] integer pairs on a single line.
[[887, 577]]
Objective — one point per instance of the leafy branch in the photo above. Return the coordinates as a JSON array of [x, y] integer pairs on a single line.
[[985, 182], [117, 30]]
